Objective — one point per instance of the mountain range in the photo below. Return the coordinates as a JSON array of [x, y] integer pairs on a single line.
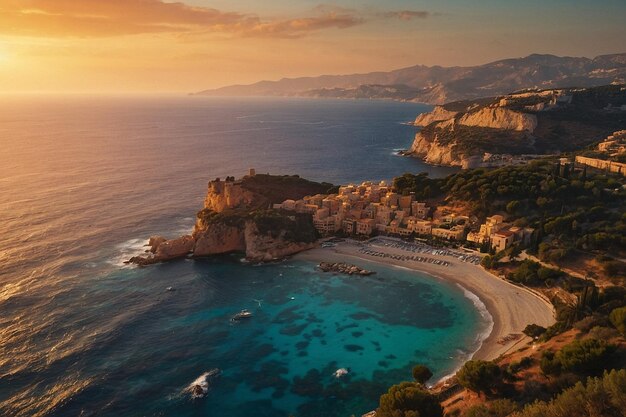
[[437, 85]]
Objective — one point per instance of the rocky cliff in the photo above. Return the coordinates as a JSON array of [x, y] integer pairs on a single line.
[[505, 129], [237, 217], [500, 118], [438, 114]]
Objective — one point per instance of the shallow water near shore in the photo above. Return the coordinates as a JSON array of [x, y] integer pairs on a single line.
[[85, 180]]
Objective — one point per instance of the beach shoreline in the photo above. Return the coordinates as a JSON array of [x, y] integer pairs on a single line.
[[511, 307]]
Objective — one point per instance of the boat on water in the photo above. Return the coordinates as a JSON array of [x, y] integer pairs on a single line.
[[243, 314], [340, 372]]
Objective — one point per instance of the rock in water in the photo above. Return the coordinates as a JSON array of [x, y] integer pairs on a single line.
[[200, 387]]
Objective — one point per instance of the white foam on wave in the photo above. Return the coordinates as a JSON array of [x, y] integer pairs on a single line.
[[201, 385], [126, 250], [464, 356]]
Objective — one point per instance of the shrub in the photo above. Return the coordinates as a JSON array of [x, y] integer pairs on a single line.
[[603, 333], [534, 330], [497, 408], [586, 357], [408, 399], [618, 319], [604, 396], [590, 322], [480, 376]]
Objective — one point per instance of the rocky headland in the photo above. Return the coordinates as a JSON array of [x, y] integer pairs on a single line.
[[509, 129], [238, 216]]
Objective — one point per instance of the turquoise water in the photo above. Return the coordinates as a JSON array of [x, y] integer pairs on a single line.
[[306, 324], [84, 181]]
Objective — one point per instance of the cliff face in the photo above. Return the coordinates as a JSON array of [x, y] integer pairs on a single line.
[[431, 150], [224, 195], [446, 132], [218, 238], [266, 247], [237, 218], [500, 118], [438, 114]]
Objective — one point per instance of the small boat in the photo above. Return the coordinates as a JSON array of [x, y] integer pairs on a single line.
[[340, 372], [170, 289], [243, 314]]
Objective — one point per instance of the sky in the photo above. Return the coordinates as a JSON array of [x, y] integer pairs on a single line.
[[100, 46]]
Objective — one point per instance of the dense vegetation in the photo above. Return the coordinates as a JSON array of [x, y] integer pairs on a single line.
[[409, 399], [475, 140], [586, 357], [278, 188], [571, 210], [605, 396]]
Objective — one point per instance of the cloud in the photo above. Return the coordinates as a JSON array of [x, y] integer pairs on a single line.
[[294, 28], [407, 14], [103, 18]]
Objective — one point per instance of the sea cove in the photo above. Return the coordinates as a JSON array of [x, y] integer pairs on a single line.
[[306, 324]]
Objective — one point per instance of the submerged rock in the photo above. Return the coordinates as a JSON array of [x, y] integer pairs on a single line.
[[344, 268]]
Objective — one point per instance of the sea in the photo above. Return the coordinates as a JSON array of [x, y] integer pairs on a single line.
[[85, 180]]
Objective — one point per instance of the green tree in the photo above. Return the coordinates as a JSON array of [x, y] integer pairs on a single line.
[[618, 319], [421, 373], [480, 376], [487, 262], [534, 330], [408, 399], [513, 206]]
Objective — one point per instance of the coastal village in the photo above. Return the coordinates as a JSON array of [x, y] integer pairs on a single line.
[[374, 208]]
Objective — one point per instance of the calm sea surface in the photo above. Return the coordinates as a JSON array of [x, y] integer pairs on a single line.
[[83, 182]]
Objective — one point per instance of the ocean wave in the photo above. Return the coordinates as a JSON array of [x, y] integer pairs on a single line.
[[484, 314], [487, 319], [126, 250]]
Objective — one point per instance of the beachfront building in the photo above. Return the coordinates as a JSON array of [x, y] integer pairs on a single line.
[[502, 240], [453, 233], [364, 210], [492, 225], [365, 227], [509, 236]]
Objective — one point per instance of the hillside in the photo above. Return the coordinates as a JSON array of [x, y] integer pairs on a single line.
[[492, 131], [438, 84]]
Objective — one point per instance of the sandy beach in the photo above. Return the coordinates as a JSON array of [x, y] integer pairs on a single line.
[[511, 307]]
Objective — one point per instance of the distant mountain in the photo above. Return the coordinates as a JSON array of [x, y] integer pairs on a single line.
[[437, 85]]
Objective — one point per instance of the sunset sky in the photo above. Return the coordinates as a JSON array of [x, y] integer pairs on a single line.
[[163, 46]]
